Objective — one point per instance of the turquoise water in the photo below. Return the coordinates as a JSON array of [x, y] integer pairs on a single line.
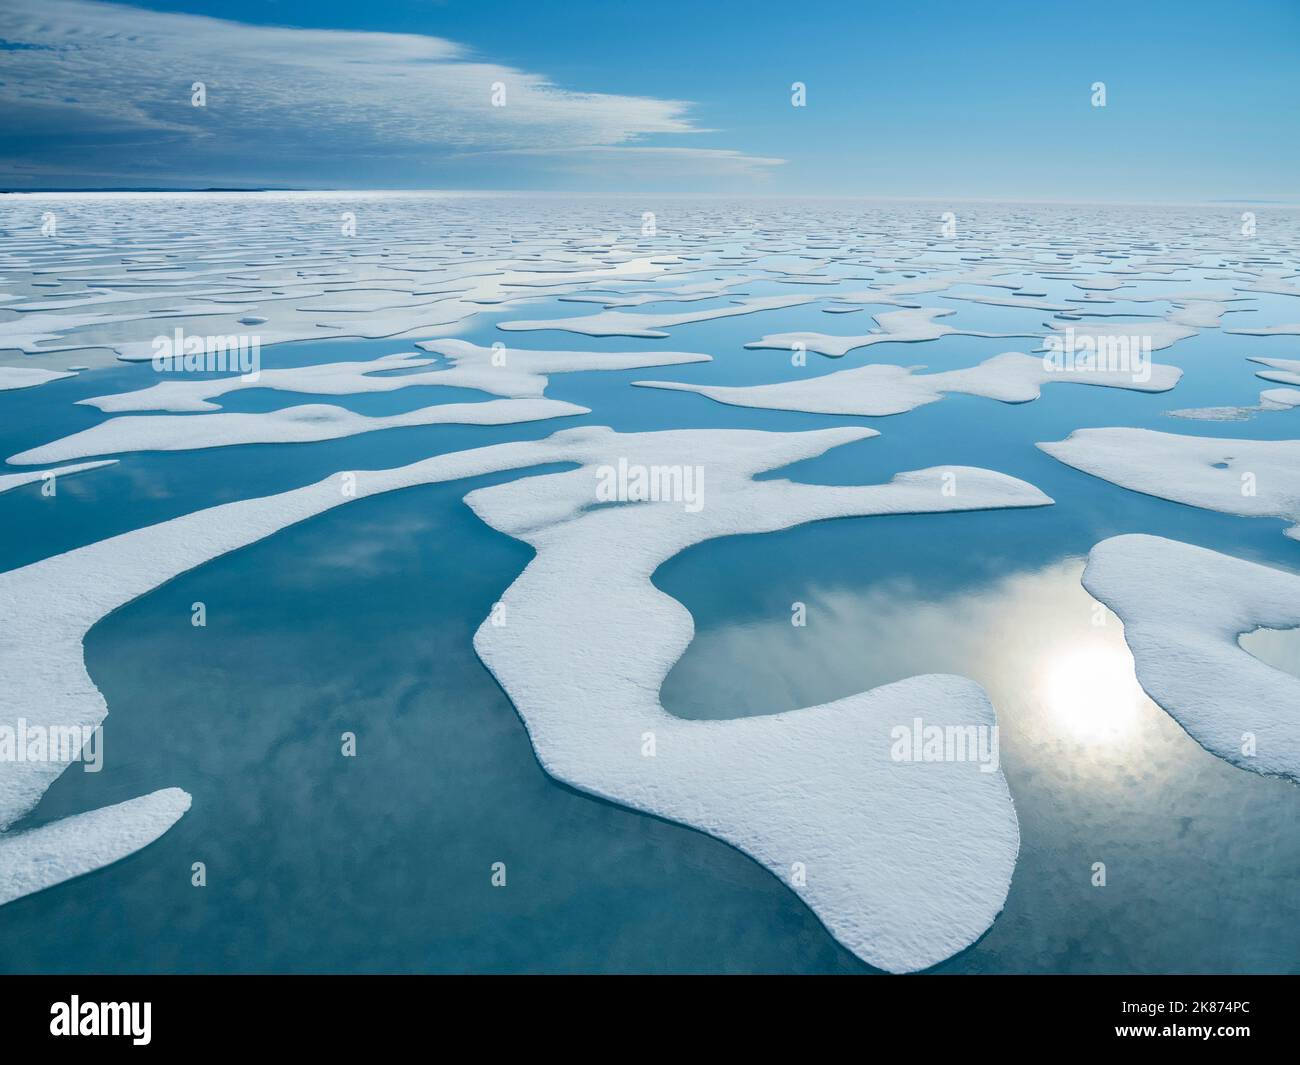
[[361, 620]]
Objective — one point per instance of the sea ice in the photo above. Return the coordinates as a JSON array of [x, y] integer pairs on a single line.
[[1251, 478], [17, 480], [290, 425], [905, 862], [879, 389], [623, 323], [38, 858], [12, 377], [906, 326], [516, 372], [1183, 610], [327, 379]]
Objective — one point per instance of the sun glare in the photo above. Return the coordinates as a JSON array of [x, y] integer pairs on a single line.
[[1093, 692]]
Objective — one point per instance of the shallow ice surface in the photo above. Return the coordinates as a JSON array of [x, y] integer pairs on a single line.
[[879, 389], [289, 425], [1183, 609], [1250, 478]]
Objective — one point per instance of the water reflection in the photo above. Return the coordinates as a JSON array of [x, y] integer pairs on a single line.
[[1279, 648], [1201, 857], [1053, 660]]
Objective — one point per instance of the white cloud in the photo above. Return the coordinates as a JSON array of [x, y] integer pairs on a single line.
[[87, 81]]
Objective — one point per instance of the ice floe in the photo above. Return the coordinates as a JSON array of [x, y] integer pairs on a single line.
[[910, 325], [880, 389], [517, 372], [290, 425], [1184, 609], [1288, 329], [39, 858], [501, 371], [327, 379], [1250, 478], [813, 791], [10, 481], [623, 323], [1152, 334], [905, 862], [1283, 371], [14, 377]]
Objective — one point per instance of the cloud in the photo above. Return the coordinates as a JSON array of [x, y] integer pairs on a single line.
[[104, 88], [616, 161]]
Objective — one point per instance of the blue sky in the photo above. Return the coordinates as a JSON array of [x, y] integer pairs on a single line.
[[927, 99]]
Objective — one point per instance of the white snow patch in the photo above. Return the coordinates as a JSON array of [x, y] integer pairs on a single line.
[[1251, 478], [13, 377], [1184, 609], [880, 389], [906, 863], [291, 425]]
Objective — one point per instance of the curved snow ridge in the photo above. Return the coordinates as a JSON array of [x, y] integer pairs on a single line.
[[1183, 610], [40, 858], [880, 389], [905, 863], [308, 423], [1249, 478]]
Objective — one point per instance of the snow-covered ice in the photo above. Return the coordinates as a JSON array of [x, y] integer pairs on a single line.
[[879, 389], [818, 786], [9, 481], [14, 377], [910, 325], [626, 324], [1250, 478], [1183, 609], [308, 423]]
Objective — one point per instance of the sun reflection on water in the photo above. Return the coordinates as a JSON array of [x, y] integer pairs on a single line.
[[1092, 692]]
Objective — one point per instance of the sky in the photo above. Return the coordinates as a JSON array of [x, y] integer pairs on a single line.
[[931, 99]]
